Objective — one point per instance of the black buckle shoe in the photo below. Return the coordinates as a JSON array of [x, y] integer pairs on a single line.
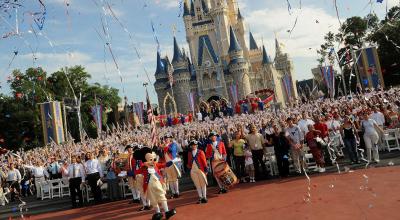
[[170, 213], [204, 200], [157, 216]]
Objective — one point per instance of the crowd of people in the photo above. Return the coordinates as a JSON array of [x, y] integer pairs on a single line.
[[322, 127]]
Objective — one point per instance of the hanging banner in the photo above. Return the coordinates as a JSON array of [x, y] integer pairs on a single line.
[[139, 111], [52, 122], [328, 74], [234, 92], [287, 83], [370, 68], [97, 113], [191, 100]]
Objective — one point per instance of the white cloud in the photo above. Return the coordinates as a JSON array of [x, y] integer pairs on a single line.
[[167, 3], [308, 33]]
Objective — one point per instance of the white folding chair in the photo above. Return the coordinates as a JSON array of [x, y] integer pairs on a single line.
[[309, 159], [88, 193], [45, 190], [65, 188], [270, 161], [391, 138], [126, 191], [55, 188], [103, 189]]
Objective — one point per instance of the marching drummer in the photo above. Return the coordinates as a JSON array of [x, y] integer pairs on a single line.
[[171, 170], [199, 169], [216, 152]]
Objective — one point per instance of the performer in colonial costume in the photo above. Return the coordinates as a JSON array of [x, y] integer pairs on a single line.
[[171, 170], [131, 166], [199, 169], [153, 184], [216, 152]]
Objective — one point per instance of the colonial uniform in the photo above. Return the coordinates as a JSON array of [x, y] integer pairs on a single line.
[[131, 166], [216, 152], [198, 165], [171, 170]]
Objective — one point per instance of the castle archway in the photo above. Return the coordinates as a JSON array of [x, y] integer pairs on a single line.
[[169, 105]]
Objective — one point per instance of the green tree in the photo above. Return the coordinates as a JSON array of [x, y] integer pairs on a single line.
[[387, 36], [21, 126]]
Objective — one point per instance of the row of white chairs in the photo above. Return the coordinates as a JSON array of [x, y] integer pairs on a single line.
[[59, 188]]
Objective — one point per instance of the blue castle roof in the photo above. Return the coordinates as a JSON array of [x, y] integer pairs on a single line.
[[266, 59], [177, 52], [204, 6], [253, 43], [186, 11], [191, 8], [234, 44]]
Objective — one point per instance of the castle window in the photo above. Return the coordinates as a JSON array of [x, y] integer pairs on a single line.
[[198, 9], [199, 17]]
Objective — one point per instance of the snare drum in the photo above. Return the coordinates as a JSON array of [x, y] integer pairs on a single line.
[[225, 175]]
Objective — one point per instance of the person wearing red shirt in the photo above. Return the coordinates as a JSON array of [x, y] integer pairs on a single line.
[[198, 170], [320, 126], [237, 108], [216, 153]]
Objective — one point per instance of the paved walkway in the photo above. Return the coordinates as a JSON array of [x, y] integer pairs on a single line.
[[53, 207]]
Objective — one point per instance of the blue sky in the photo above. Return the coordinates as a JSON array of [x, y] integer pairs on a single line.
[[69, 35]]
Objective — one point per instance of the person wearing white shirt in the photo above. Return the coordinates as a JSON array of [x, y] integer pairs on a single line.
[[39, 173], [54, 169], [304, 123], [199, 116], [379, 118], [296, 139], [13, 180], [94, 175], [76, 176], [371, 137]]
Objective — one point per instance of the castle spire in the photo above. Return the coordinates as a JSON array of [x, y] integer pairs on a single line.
[[160, 65], [204, 6], [192, 8], [265, 59], [239, 15], [186, 10], [234, 44], [253, 43], [278, 49], [177, 52]]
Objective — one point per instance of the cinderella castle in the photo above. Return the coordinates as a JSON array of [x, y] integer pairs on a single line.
[[219, 59]]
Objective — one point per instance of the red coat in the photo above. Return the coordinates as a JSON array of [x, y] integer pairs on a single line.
[[323, 128], [237, 109], [199, 159], [132, 164], [210, 151], [146, 177]]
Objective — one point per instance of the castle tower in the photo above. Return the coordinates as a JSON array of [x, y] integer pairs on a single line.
[[284, 64], [161, 80], [238, 66], [219, 57], [182, 76], [272, 78]]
